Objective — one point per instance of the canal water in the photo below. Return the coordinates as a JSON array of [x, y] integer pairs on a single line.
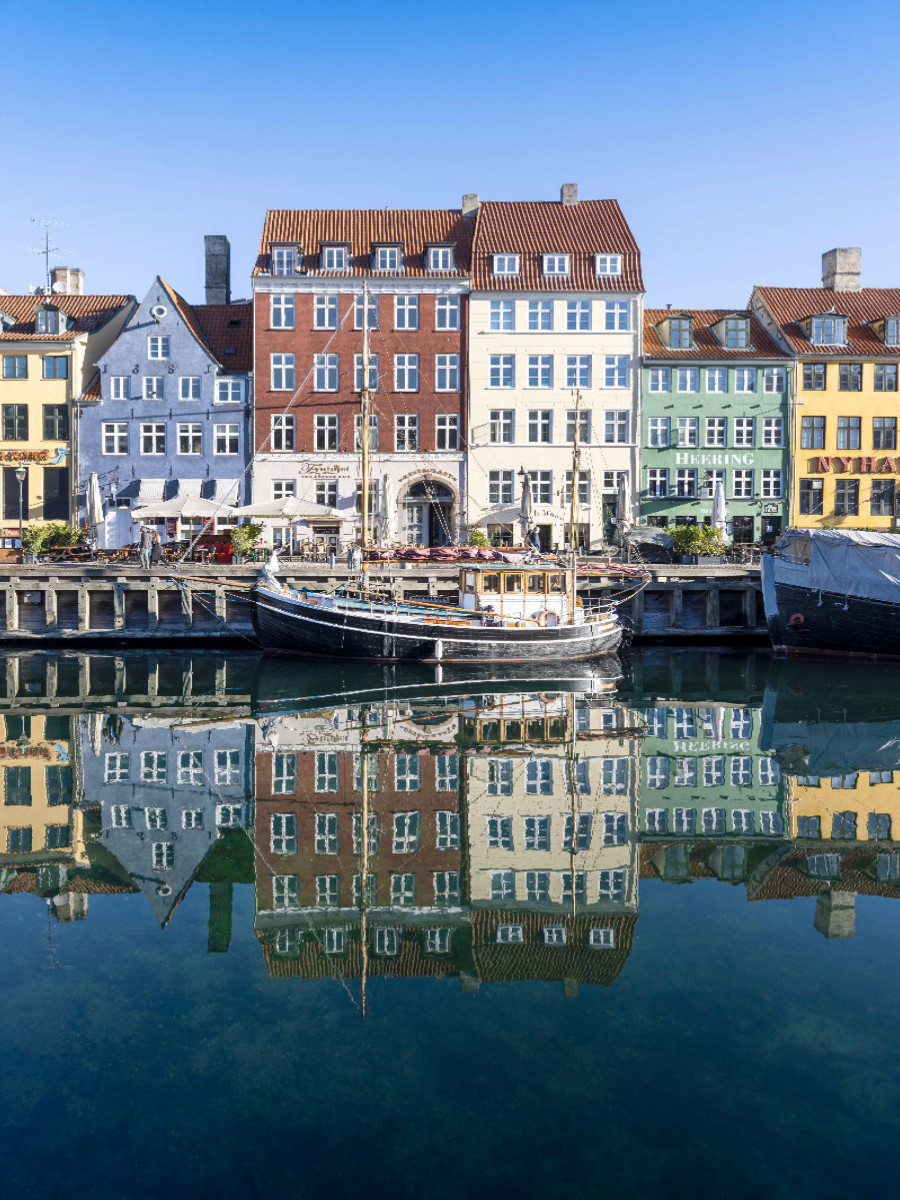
[[281, 929]]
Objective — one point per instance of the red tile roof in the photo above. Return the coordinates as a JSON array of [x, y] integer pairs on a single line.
[[789, 306], [93, 391], [187, 314], [532, 228], [534, 959], [87, 312], [228, 327], [706, 346], [361, 229]]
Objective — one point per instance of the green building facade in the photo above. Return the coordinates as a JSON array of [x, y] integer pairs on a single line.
[[716, 391]]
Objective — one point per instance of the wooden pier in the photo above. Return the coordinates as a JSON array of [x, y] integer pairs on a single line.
[[58, 603]]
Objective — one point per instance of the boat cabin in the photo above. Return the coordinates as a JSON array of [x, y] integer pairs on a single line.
[[536, 594]]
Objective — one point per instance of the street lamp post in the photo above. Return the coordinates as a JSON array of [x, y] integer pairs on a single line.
[[20, 475]]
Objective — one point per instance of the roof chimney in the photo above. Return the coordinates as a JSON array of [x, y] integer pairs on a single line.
[[470, 203], [218, 269], [67, 281], [568, 193], [840, 269]]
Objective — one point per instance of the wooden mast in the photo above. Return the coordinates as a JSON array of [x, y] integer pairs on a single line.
[[576, 460], [364, 865], [364, 432]]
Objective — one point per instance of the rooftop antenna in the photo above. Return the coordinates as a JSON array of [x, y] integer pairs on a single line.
[[48, 251]]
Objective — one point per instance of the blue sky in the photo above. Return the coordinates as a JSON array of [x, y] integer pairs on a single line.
[[742, 139]]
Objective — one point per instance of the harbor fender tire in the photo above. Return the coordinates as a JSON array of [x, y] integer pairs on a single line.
[[797, 619]]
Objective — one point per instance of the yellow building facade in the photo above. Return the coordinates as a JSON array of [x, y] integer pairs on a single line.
[[39, 821], [49, 347], [845, 341], [863, 806]]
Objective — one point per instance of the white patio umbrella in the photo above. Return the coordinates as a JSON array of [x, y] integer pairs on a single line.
[[290, 508], [184, 507], [94, 502], [526, 509], [719, 511], [388, 513], [623, 516]]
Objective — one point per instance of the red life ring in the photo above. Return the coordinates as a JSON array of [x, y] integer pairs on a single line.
[[797, 619], [544, 617]]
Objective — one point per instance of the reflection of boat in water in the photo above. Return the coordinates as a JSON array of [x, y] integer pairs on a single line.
[[834, 591]]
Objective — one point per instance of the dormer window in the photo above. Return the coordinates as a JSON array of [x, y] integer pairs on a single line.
[[556, 264], [506, 264], [335, 258], [829, 329], [678, 331], [285, 260], [608, 265], [440, 258], [387, 258], [737, 333], [47, 320], [892, 331]]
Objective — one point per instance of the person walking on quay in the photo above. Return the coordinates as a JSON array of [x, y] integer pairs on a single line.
[[156, 552], [144, 544]]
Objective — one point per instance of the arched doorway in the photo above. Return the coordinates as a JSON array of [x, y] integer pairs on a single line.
[[426, 513]]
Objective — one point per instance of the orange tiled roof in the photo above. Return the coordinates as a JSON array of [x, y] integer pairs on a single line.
[[361, 229], [187, 314], [532, 228], [533, 959], [788, 306], [706, 345], [92, 391], [228, 327], [87, 312]]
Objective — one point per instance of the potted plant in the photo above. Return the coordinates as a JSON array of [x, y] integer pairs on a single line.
[[477, 537], [34, 540], [701, 545], [244, 539]]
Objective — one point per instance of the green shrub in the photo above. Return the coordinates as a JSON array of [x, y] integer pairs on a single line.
[[62, 535], [703, 540], [245, 537], [477, 537], [34, 539]]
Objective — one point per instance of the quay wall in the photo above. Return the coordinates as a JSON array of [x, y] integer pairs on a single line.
[[53, 603]]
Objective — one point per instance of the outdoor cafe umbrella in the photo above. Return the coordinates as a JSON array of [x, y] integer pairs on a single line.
[[289, 508], [94, 502], [184, 508], [719, 511], [526, 510], [622, 514], [388, 522]]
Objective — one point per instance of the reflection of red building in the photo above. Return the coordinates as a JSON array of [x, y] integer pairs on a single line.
[[308, 818]]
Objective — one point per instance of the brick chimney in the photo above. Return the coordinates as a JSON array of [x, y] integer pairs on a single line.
[[218, 269], [67, 281], [470, 203], [840, 269], [568, 193]]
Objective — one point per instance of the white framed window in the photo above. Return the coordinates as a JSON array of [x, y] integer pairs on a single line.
[[539, 777], [327, 829], [617, 370], [716, 431], [771, 824], [578, 370], [510, 935], [281, 312], [437, 941], [713, 820], [284, 774], [326, 771], [446, 312], [685, 772], [602, 939], [657, 721], [190, 437], [506, 264], [286, 891], [615, 829], [283, 431], [614, 776], [658, 482], [542, 487], [284, 260], [446, 431], [611, 885], [741, 770], [406, 372], [658, 431], [284, 833], [584, 421], [615, 427], [447, 827], [115, 437], [537, 887], [357, 819], [686, 482], [440, 258], [711, 477], [158, 347], [769, 772], [372, 319], [120, 816], [227, 768], [540, 425], [372, 383], [771, 483], [582, 826], [684, 821], [406, 312], [657, 820], [500, 487], [556, 264], [578, 315], [406, 831], [192, 818], [584, 488], [189, 387], [153, 438], [714, 771], [502, 318], [502, 425], [717, 379], [540, 314], [229, 816], [607, 264], [537, 833], [120, 387], [657, 771], [283, 487], [326, 372], [742, 820], [744, 431], [154, 387], [774, 379], [773, 431], [503, 885], [499, 777], [554, 935], [742, 485], [283, 373], [115, 768], [328, 891], [502, 371], [617, 316], [325, 311], [335, 258], [373, 431], [689, 379], [828, 330], [688, 431], [406, 431], [325, 431], [407, 773], [574, 887], [190, 767], [327, 493], [163, 856], [387, 941], [387, 258], [154, 766], [226, 439], [745, 379], [500, 833], [446, 888], [659, 379], [229, 391], [446, 372]]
